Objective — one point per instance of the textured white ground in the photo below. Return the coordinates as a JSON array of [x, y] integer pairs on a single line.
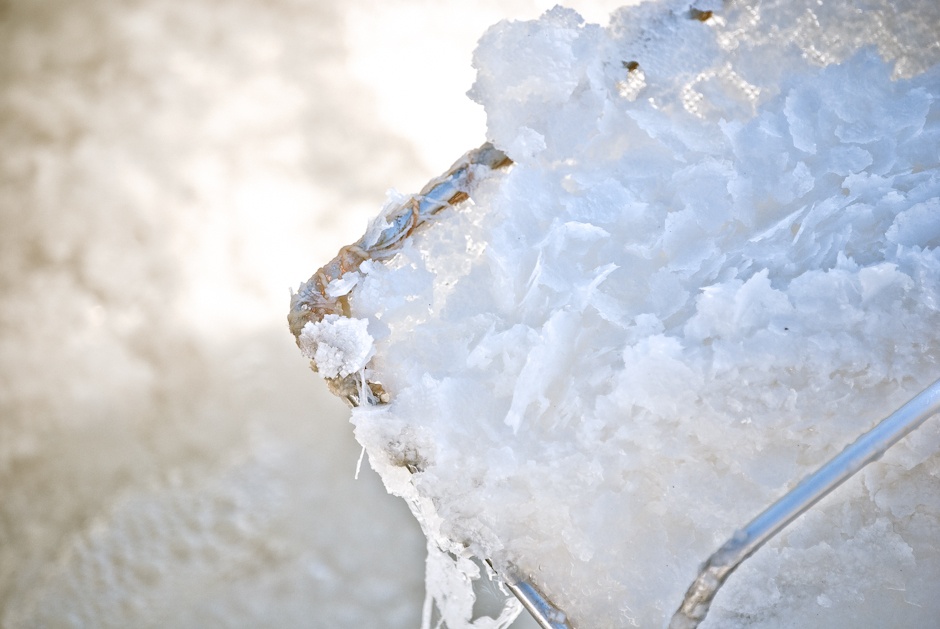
[[167, 171]]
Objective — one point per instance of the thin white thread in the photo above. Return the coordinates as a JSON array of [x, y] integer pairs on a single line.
[[362, 455]]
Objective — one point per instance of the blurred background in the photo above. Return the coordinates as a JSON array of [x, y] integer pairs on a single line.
[[168, 170]]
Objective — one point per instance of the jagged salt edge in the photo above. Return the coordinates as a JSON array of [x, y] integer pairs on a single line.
[[322, 299], [450, 570]]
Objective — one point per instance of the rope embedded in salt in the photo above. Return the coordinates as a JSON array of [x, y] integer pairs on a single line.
[[312, 301]]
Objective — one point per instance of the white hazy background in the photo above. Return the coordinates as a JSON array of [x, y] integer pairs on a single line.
[[167, 171]]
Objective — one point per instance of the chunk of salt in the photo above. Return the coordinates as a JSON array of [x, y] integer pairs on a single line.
[[338, 345]]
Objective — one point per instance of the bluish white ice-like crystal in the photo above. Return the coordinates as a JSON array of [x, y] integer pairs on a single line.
[[715, 262]]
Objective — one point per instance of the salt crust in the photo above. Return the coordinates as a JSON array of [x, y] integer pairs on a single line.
[[672, 308]]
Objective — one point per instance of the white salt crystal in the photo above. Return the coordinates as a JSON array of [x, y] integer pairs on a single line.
[[917, 226], [338, 345], [342, 285]]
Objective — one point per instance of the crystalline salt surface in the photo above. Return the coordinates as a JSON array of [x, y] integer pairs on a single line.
[[338, 345], [672, 308]]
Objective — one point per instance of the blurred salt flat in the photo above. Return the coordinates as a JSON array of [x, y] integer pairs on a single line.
[[167, 171]]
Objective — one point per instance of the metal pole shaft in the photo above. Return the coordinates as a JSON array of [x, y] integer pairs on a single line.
[[867, 448], [547, 615]]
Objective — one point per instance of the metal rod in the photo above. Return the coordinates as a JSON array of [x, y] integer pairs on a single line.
[[545, 614], [867, 448]]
